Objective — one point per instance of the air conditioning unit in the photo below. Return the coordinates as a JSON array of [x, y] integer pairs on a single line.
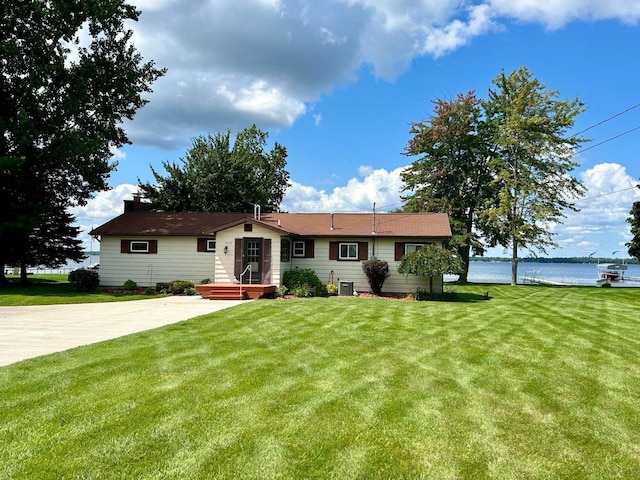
[[345, 288]]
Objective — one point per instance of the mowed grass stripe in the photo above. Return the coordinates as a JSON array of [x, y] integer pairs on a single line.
[[537, 382]]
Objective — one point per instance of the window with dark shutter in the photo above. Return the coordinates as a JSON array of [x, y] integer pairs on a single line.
[[139, 246], [207, 245]]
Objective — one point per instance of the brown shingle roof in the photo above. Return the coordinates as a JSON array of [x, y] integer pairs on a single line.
[[162, 223], [302, 224], [362, 224]]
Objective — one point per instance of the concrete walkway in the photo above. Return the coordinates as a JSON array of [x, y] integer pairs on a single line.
[[31, 331]]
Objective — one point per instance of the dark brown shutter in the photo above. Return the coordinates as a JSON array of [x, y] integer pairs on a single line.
[[266, 261], [124, 246], [153, 246], [202, 244], [399, 251], [334, 250], [363, 250], [309, 251], [237, 265]]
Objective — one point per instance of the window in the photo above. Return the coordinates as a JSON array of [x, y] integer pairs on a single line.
[[298, 248], [285, 250], [412, 247], [139, 246], [207, 244], [348, 251], [248, 227]]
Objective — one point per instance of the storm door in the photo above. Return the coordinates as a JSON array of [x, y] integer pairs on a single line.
[[252, 256]]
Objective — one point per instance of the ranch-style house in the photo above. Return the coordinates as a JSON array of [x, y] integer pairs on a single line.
[[242, 248]]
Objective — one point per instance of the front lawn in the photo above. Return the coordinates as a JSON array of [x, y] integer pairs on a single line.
[[537, 382], [48, 289]]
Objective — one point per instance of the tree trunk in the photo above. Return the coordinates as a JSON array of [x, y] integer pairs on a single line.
[[514, 264], [431, 284], [464, 253], [24, 279]]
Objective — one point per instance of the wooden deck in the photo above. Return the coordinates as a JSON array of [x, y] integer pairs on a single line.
[[235, 291]]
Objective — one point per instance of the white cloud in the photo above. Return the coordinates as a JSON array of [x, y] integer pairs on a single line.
[[560, 12], [600, 224], [358, 195], [233, 63]]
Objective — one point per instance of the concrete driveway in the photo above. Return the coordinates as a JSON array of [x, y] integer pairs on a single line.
[[31, 331]]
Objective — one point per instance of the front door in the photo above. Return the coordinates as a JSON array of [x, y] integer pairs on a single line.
[[252, 256]]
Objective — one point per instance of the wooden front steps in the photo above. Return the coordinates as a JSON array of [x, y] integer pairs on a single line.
[[232, 291]]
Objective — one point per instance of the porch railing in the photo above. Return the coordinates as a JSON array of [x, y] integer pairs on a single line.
[[242, 275]]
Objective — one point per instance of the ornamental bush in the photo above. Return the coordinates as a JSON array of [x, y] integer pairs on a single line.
[[332, 289], [303, 282], [84, 280], [129, 286], [178, 287], [377, 271]]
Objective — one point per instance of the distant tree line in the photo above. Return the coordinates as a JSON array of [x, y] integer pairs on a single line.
[[592, 260]]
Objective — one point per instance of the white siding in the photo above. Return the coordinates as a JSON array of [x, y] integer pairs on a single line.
[[351, 271], [177, 259]]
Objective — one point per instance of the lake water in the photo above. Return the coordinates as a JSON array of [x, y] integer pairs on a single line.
[[480, 272], [568, 273]]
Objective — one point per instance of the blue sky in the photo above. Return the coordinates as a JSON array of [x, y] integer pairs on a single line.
[[338, 82]]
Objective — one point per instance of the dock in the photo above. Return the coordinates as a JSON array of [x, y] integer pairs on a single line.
[[542, 281]]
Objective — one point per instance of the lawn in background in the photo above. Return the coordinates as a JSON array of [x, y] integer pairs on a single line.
[[48, 289], [537, 382]]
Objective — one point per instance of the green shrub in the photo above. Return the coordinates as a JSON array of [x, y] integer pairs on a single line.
[[150, 291], [178, 287], [129, 286], [84, 280], [332, 288], [301, 291], [205, 281], [303, 277], [377, 271], [190, 291], [163, 287]]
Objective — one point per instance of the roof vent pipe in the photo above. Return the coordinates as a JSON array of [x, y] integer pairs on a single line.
[[373, 229], [256, 212], [332, 221]]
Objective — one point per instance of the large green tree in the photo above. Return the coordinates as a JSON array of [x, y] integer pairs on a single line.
[[216, 176], [452, 173], [532, 163], [69, 77], [634, 220]]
